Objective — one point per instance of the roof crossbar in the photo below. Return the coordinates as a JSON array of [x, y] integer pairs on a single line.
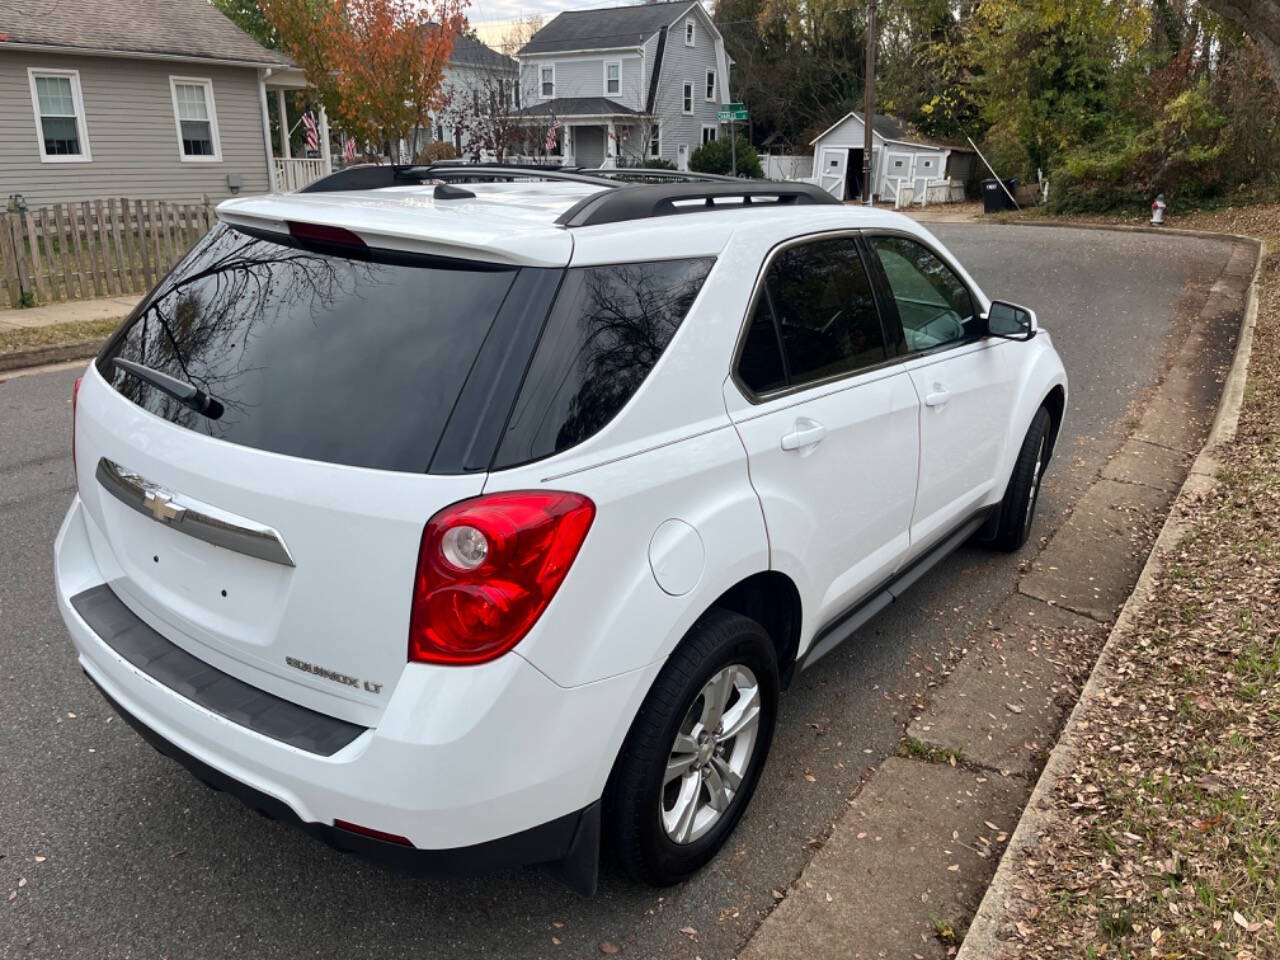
[[377, 176], [644, 200]]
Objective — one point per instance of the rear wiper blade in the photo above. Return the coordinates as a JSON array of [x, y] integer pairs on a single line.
[[188, 394]]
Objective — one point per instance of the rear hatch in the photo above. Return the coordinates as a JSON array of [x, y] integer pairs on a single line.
[[271, 526]]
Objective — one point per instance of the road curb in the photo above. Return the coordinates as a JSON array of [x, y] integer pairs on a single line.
[[44, 355], [981, 942]]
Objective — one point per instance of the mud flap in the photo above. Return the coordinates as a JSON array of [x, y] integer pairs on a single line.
[[580, 869]]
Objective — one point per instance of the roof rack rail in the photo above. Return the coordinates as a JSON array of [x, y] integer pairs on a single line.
[[659, 175], [643, 200], [371, 176]]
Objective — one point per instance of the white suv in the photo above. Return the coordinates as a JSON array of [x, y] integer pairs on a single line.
[[477, 524]]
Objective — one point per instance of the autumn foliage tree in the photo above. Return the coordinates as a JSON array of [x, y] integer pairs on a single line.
[[376, 65]]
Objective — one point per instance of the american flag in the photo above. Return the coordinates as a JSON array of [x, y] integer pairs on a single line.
[[348, 149], [313, 132], [551, 132]]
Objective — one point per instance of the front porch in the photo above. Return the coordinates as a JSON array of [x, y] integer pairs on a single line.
[[288, 172], [592, 132]]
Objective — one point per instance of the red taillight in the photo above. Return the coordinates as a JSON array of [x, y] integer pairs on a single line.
[[487, 569], [322, 234], [75, 397]]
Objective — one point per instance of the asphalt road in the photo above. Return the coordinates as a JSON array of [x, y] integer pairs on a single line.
[[110, 850]]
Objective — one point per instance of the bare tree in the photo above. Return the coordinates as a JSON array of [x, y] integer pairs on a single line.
[[481, 111], [519, 33]]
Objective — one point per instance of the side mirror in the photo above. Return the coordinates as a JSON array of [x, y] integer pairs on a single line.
[[1010, 321]]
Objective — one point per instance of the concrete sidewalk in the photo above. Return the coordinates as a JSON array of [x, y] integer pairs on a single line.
[[902, 871], [74, 311]]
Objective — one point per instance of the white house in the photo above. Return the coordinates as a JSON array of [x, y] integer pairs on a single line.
[[899, 158]]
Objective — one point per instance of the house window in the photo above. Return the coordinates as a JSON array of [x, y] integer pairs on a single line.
[[655, 142], [548, 77], [688, 33], [709, 133], [612, 78], [196, 119], [686, 102], [59, 110], [711, 86]]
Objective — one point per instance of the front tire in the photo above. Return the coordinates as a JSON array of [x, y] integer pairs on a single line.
[[693, 756], [1018, 509]]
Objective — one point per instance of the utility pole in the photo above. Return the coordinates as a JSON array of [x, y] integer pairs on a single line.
[[869, 108]]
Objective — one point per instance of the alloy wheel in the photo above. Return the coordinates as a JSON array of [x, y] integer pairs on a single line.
[[711, 754]]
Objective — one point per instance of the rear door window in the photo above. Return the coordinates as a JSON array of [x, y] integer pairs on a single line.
[[609, 326], [349, 361]]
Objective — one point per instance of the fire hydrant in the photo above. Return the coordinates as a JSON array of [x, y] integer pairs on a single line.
[[1157, 209]]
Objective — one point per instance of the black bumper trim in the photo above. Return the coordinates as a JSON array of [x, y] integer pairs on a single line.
[[128, 635], [569, 845]]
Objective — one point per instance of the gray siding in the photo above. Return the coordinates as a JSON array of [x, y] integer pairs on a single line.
[[584, 77], [681, 63], [129, 114]]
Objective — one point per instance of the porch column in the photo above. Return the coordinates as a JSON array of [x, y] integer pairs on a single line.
[[324, 142], [611, 146], [272, 186], [284, 124]]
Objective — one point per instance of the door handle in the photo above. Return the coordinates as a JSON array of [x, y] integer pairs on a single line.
[[938, 398], [806, 434]]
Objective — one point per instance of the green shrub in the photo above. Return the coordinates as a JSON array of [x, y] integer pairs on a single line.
[[716, 156]]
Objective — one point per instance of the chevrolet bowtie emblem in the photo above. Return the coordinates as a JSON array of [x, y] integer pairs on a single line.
[[162, 507]]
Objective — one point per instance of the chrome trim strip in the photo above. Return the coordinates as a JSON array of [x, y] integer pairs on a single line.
[[195, 519]]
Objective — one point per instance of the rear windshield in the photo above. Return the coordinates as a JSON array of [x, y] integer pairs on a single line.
[[311, 354]]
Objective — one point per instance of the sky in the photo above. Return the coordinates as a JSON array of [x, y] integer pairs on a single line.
[[500, 12]]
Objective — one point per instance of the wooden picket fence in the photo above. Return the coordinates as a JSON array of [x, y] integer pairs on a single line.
[[94, 248]]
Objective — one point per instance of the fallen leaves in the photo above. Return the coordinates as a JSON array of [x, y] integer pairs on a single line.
[[1249, 926], [1159, 838]]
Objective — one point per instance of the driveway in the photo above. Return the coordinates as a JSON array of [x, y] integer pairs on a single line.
[[140, 860]]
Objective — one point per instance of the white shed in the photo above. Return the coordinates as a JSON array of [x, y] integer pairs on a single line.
[[898, 156]]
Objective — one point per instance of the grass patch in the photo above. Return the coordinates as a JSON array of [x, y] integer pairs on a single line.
[[949, 932], [24, 338], [915, 749]]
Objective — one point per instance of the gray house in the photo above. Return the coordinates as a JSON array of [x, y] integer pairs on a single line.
[[626, 84], [146, 99]]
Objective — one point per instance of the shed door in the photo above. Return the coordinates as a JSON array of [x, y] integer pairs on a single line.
[[897, 169], [834, 167], [928, 167]]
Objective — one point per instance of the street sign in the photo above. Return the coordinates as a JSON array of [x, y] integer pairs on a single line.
[[736, 114]]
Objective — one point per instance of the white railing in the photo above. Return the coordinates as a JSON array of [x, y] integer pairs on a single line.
[[788, 167], [295, 174]]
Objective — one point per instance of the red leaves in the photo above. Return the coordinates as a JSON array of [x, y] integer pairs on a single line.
[[377, 65]]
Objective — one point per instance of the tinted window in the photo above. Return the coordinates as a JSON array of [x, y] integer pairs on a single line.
[[607, 329], [820, 299], [933, 305], [313, 355]]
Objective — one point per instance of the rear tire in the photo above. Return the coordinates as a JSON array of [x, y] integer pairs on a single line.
[[684, 776], [1018, 509]]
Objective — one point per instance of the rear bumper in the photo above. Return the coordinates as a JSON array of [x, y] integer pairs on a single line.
[[569, 843], [478, 767]]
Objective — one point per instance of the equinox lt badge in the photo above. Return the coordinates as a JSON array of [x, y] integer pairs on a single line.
[[368, 685]]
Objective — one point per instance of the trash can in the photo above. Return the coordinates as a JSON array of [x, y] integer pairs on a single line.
[[994, 198]]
